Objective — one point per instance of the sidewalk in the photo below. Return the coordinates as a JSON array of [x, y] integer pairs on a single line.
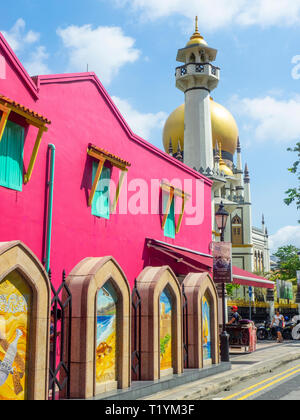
[[267, 358]]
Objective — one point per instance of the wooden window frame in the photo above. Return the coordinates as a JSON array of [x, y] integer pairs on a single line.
[[173, 193], [102, 156], [30, 120]]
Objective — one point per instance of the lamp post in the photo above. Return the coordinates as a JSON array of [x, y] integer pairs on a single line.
[[221, 221]]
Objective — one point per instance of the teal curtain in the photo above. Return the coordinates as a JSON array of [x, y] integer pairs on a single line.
[[11, 157], [101, 201], [170, 230]]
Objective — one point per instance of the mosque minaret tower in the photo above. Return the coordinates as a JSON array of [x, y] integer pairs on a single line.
[[204, 135], [197, 78]]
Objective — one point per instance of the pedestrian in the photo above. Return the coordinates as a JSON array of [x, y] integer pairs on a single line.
[[278, 321], [236, 317]]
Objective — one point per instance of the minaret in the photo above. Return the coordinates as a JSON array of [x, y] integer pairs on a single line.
[[247, 220], [197, 78], [239, 168]]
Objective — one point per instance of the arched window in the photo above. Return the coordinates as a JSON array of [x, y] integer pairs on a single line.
[[192, 58], [237, 231], [106, 346], [166, 358], [206, 329]]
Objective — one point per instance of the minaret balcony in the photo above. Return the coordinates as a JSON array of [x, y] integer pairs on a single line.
[[202, 74]]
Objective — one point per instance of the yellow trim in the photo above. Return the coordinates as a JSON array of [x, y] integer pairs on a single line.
[[99, 156], [4, 119], [175, 192], [96, 180], [35, 151], [242, 246], [167, 211], [179, 223], [118, 190]]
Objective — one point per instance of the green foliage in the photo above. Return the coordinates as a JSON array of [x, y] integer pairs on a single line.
[[231, 288], [163, 344], [293, 194], [288, 262]]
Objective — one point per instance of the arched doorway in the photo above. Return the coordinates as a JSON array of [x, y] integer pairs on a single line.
[[202, 300], [107, 346], [166, 333], [161, 346], [100, 327], [24, 324]]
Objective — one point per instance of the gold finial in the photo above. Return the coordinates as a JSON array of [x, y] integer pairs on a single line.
[[196, 24]]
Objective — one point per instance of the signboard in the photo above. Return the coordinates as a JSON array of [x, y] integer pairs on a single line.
[[222, 253], [298, 278]]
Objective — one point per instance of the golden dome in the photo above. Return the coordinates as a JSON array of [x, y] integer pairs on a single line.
[[224, 128], [197, 39]]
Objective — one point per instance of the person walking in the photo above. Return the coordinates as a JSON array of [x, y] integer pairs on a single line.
[[278, 322]]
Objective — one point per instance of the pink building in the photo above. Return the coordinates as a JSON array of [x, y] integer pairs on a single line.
[[148, 217]]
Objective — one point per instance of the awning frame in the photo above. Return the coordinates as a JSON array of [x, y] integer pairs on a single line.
[[102, 156], [174, 192], [39, 123]]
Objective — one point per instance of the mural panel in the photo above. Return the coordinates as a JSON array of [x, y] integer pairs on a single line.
[[15, 308], [206, 329], [166, 361], [106, 348]]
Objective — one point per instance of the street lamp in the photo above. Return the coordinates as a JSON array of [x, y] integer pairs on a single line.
[[221, 221]]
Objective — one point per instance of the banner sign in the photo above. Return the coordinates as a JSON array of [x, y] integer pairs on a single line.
[[298, 278], [222, 253]]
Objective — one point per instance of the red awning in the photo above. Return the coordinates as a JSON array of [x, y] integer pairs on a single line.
[[244, 278], [193, 259]]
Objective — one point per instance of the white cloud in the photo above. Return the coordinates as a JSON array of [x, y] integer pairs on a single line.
[[141, 124], [288, 235], [18, 38], [270, 118], [104, 49], [220, 13], [36, 64]]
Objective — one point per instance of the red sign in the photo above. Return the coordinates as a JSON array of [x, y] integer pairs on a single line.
[[222, 253]]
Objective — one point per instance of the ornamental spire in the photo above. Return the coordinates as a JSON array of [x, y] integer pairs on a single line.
[[171, 147], [247, 176]]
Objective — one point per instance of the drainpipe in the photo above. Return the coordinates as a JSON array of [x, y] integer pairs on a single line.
[[50, 207]]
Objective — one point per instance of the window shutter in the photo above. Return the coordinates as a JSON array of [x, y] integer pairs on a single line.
[[11, 157], [170, 230], [101, 201]]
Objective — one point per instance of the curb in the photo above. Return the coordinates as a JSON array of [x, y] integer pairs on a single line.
[[230, 381]]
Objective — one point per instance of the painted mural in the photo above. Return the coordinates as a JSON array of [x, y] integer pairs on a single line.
[[206, 329], [165, 331], [15, 307], [106, 348]]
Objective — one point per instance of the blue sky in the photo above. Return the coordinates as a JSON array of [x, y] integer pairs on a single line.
[[132, 46]]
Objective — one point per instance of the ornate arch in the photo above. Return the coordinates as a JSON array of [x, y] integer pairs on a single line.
[[197, 286], [17, 257], [151, 283], [85, 281]]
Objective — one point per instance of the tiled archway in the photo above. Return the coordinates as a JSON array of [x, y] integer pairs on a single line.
[[199, 287], [85, 281], [151, 283], [25, 326]]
